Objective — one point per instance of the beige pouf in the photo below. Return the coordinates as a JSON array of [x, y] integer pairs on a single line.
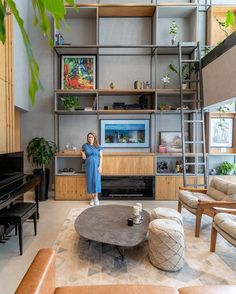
[[166, 244], [165, 212]]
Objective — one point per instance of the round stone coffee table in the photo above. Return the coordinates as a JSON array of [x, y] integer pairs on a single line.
[[108, 224]]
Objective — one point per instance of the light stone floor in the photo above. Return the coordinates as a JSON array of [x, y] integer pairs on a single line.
[[52, 216]]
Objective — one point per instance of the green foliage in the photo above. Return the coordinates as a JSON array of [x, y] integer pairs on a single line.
[[227, 23], [187, 70], [42, 10], [40, 152], [173, 28], [226, 168], [69, 102]]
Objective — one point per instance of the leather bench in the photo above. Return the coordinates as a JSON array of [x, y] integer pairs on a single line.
[[41, 279], [16, 215]]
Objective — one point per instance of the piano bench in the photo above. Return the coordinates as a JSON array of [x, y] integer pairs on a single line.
[[16, 215]]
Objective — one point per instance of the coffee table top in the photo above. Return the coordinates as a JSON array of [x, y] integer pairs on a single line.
[[108, 224]]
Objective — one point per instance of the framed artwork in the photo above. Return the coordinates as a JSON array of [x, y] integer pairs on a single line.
[[221, 130], [172, 141], [78, 72], [125, 133]]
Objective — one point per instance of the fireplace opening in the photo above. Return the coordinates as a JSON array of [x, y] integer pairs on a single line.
[[128, 188]]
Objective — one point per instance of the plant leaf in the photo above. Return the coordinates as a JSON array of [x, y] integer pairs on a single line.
[[230, 19], [34, 68], [2, 23]]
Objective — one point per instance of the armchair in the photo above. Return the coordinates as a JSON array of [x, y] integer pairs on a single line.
[[224, 222], [220, 193]]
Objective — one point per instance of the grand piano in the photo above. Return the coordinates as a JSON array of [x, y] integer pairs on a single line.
[[13, 181]]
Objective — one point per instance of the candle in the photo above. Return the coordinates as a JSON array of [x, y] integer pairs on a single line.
[[140, 206], [136, 210]]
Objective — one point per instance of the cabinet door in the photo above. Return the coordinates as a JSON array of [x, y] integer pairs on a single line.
[[128, 165], [70, 188], [165, 188]]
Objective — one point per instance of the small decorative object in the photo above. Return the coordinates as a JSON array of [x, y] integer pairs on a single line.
[[213, 171], [164, 107], [177, 167], [105, 107], [137, 85], [226, 168], [162, 167], [59, 39], [74, 149], [112, 85], [173, 32], [162, 149], [67, 146], [221, 134], [125, 133], [165, 79], [78, 72], [136, 210], [130, 221]]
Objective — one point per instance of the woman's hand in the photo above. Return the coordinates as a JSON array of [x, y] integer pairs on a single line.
[[83, 154], [100, 169]]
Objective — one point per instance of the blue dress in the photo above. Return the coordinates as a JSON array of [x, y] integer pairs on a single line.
[[92, 161]]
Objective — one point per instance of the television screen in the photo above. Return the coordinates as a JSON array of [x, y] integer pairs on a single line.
[[125, 133]]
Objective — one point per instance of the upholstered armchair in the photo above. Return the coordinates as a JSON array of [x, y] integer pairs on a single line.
[[224, 222], [220, 193]]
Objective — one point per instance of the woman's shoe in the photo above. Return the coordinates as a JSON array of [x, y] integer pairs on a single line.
[[96, 202], [92, 202]]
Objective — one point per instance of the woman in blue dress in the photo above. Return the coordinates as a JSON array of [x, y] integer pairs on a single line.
[[92, 154]]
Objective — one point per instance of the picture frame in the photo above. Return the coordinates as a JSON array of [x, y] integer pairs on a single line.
[[172, 141], [78, 72], [221, 132], [117, 133]]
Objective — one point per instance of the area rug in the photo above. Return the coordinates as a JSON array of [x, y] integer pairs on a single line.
[[80, 262]]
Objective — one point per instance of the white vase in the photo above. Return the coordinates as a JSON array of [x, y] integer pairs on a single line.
[[173, 40], [184, 86]]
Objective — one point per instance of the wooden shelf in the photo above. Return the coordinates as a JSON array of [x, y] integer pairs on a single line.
[[174, 50], [69, 154], [175, 91], [76, 91], [128, 153], [125, 92], [128, 111], [72, 49], [124, 10], [76, 112], [177, 154]]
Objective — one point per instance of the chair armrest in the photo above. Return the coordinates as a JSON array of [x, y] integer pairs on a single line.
[[224, 210], [193, 189], [211, 204]]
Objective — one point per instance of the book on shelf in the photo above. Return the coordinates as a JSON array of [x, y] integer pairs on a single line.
[[88, 108]]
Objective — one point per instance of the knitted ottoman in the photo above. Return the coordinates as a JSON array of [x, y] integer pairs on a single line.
[[165, 212], [166, 244]]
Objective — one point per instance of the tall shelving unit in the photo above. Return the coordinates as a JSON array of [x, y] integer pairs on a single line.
[[131, 42]]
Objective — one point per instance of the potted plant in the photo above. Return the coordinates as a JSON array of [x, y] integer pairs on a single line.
[[226, 168], [228, 24], [186, 70], [173, 32], [40, 152], [70, 102], [165, 79]]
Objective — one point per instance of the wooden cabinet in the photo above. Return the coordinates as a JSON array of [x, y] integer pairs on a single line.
[[128, 165], [70, 188], [167, 187]]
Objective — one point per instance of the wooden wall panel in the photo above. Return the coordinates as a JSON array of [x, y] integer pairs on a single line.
[[128, 165], [17, 129], [6, 91]]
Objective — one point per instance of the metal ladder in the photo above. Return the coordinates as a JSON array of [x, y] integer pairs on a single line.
[[192, 119]]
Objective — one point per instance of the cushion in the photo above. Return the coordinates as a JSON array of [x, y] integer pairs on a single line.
[[221, 189], [191, 198], [226, 222], [166, 212]]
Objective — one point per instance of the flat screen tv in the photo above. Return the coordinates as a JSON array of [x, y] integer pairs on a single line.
[[125, 133]]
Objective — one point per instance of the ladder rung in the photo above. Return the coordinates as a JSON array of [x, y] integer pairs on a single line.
[[193, 142], [190, 60], [193, 121], [195, 163], [190, 81]]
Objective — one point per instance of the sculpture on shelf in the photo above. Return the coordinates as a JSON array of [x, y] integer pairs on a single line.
[[165, 79], [173, 32], [112, 85]]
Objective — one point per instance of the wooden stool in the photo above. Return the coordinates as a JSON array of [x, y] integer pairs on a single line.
[[16, 215]]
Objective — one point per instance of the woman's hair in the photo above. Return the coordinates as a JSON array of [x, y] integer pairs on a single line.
[[95, 143]]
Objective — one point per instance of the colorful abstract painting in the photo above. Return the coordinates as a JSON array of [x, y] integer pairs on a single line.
[[78, 72]]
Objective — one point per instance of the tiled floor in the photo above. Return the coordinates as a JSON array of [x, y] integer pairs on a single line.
[[52, 215]]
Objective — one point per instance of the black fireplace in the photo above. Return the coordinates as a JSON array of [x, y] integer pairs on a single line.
[[128, 188]]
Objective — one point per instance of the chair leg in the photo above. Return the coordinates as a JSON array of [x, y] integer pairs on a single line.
[[179, 206], [35, 223], [198, 222], [20, 229], [15, 230], [213, 239]]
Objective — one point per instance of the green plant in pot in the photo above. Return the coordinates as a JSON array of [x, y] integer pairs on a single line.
[[70, 102], [40, 152], [186, 71], [226, 168]]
